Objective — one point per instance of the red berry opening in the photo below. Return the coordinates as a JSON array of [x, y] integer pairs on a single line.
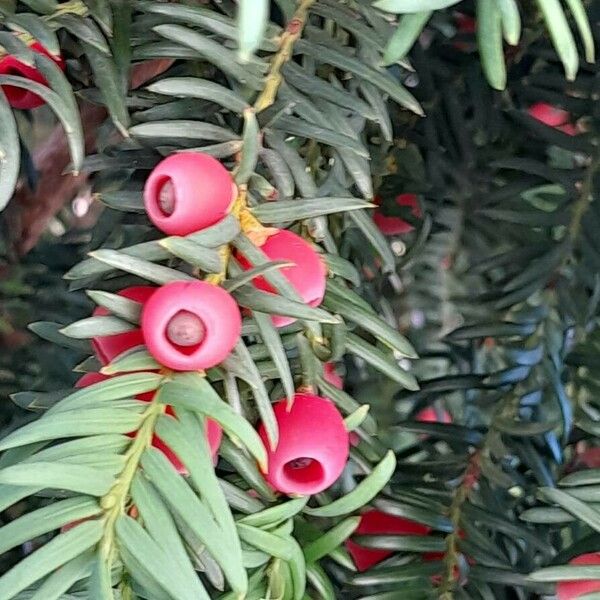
[[303, 470], [166, 198], [186, 329]]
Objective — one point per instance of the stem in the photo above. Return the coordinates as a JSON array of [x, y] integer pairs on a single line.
[[114, 503], [461, 495], [239, 207], [292, 33]]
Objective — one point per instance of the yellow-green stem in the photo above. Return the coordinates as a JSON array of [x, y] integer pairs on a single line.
[[452, 539], [114, 503], [292, 33], [265, 99]]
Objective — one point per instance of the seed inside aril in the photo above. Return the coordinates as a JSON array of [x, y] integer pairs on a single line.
[[186, 329], [300, 463], [166, 198]]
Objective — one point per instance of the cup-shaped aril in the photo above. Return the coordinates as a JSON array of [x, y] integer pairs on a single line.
[[307, 275], [190, 325], [570, 590], [391, 225], [23, 98], [375, 522], [187, 192], [108, 347], [313, 446], [213, 430]]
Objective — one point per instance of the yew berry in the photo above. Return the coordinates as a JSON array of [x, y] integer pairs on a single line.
[[465, 23], [108, 347], [590, 458], [214, 433], [548, 114], [21, 97], [307, 276], [313, 446], [331, 376], [569, 590], [187, 192], [553, 117], [190, 325], [70, 526], [375, 522], [389, 225], [466, 27], [433, 415]]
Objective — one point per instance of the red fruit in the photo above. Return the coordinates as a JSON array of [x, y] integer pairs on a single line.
[[375, 522], [568, 128], [191, 325], [109, 346], [466, 27], [214, 433], [331, 376], [70, 526], [313, 446], [187, 192], [569, 590], [307, 276], [433, 415], [21, 97], [589, 458], [354, 438], [548, 114], [395, 225], [465, 23]]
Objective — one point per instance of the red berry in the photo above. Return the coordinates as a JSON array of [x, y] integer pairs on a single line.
[[569, 590], [313, 446], [187, 192], [331, 376], [589, 458], [191, 325], [108, 347], [21, 97], [568, 128], [548, 114], [395, 225], [214, 433], [434, 415], [307, 276], [70, 526], [375, 522], [465, 23], [466, 26]]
